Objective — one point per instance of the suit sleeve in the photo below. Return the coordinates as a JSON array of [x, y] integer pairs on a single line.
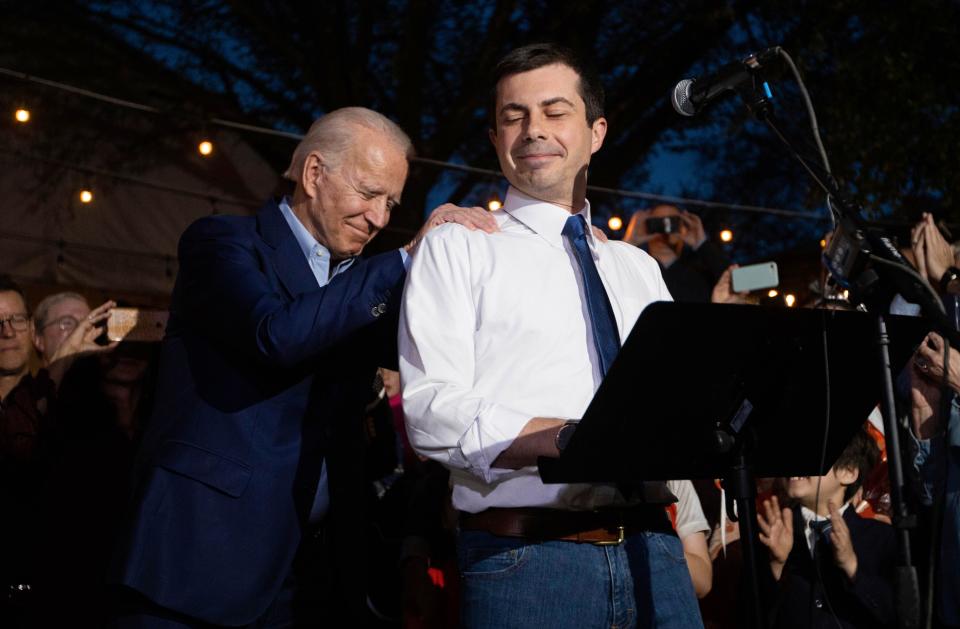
[[226, 289]]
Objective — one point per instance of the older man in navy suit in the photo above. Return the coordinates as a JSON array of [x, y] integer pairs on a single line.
[[276, 329]]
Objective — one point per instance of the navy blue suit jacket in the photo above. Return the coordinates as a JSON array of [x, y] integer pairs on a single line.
[[798, 598], [262, 376]]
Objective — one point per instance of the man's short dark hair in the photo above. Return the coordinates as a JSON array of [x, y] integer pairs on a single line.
[[533, 56], [8, 285], [861, 454]]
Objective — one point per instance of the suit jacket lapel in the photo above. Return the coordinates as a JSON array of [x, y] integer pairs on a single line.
[[288, 261]]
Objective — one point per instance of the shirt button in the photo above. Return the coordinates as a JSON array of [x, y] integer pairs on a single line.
[[382, 308], [375, 311], [818, 603]]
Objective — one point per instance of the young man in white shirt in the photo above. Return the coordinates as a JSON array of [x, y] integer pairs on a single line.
[[503, 341]]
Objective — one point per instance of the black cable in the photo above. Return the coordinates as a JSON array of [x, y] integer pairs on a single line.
[[823, 460]]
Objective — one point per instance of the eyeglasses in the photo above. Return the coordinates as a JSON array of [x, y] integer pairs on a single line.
[[17, 322], [66, 323]]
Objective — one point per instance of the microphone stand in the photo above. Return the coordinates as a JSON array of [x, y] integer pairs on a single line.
[[875, 287]]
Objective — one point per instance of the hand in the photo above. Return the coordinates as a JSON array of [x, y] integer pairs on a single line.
[[924, 402], [843, 553], [598, 233], [715, 545], [694, 235], [472, 218], [938, 252], [81, 342], [929, 361], [636, 233], [931, 250], [723, 290], [776, 533]]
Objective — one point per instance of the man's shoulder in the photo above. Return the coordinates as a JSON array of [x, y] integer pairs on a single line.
[[220, 225], [631, 254], [454, 237]]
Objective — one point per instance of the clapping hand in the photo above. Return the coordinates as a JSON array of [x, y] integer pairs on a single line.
[[932, 251], [843, 553], [776, 533]]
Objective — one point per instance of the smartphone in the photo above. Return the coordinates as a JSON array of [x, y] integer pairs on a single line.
[[134, 324], [663, 225], [755, 277]]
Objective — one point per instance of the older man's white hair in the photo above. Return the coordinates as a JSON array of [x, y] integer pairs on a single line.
[[332, 134], [42, 312]]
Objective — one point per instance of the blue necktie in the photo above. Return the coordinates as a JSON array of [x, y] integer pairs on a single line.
[[821, 530], [604, 324]]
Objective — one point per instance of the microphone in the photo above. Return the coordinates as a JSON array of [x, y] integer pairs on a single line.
[[690, 96]]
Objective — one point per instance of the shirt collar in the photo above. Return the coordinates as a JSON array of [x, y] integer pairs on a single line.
[[317, 256], [544, 218], [308, 244], [809, 516]]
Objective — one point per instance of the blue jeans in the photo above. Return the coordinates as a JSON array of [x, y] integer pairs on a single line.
[[513, 582]]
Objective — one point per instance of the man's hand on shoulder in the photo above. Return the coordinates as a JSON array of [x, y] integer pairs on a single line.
[[472, 218]]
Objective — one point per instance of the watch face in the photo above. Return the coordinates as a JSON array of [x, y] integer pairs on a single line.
[[563, 437]]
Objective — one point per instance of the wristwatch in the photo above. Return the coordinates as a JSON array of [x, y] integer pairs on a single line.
[[952, 273], [564, 434]]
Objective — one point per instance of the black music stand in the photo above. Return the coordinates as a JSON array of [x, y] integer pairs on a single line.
[[731, 392]]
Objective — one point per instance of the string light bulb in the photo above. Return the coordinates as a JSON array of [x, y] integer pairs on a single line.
[[205, 148], [22, 115], [615, 223], [726, 235], [494, 204], [86, 195], [790, 300], [823, 243], [773, 293]]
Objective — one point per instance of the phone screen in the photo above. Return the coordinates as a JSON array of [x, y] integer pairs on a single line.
[[134, 324], [755, 277]]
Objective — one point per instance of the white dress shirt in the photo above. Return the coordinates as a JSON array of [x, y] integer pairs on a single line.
[[495, 331]]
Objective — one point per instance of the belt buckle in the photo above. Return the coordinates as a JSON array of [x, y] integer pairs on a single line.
[[617, 542]]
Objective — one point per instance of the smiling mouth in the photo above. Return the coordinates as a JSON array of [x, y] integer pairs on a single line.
[[363, 232]]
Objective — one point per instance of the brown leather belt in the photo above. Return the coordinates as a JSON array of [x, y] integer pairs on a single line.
[[606, 526]]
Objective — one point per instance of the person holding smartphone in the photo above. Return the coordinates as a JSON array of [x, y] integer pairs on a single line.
[[691, 264]]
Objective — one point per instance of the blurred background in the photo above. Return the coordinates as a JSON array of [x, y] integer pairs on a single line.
[[123, 121]]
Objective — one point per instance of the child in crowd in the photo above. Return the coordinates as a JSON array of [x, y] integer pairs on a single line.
[[829, 566]]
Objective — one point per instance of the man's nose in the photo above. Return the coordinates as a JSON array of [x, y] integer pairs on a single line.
[[534, 127], [377, 214]]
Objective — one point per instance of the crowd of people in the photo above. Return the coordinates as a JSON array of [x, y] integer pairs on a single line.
[[322, 436]]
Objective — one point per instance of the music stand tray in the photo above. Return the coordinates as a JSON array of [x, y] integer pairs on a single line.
[[689, 370]]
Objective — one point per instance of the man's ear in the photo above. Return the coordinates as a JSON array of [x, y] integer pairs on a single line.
[[37, 339], [847, 475], [492, 134], [312, 173], [599, 131]]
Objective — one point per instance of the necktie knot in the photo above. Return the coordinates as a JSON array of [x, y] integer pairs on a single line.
[[821, 530], [573, 228]]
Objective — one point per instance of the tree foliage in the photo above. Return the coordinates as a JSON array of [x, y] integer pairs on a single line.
[[880, 75]]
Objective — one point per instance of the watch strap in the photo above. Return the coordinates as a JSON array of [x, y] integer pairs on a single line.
[[952, 273]]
